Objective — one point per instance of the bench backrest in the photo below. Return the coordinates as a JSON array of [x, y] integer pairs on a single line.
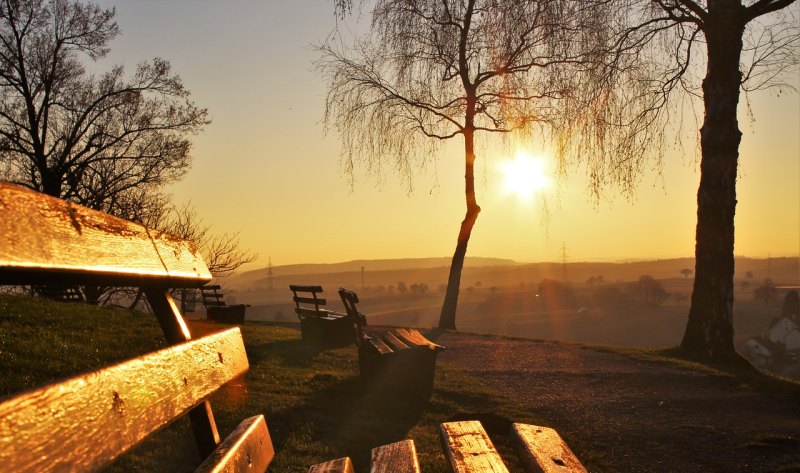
[[305, 297], [349, 300], [211, 296], [95, 417]]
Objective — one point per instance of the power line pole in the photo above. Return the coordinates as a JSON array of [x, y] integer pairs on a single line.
[[563, 261], [269, 276]]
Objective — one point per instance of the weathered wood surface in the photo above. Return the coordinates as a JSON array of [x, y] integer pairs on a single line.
[[83, 423], [340, 465], [248, 448], [44, 240], [379, 346], [394, 342], [413, 337], [542, 450], [469, 449], [398, 457]]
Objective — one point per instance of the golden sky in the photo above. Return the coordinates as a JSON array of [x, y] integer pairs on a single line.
[[265, 168]]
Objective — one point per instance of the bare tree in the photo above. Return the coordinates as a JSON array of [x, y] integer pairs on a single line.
[[433, 70], [222, 253], [103, 141], [658, 54]]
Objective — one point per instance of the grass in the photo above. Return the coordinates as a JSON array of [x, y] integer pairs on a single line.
[[315, 406]]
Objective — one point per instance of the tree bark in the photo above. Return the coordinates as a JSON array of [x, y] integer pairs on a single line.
[[709, 331], [447, 319]]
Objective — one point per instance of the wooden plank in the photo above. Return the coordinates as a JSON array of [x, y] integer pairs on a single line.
[[394, 342], [300, 288], [211, 287], [44, 240], [83, 423], [542, 450], [469, 449], [413, 336], [248, 448], [311, 312], [340, 465], [310, 300], [398, 457], [379, 345]]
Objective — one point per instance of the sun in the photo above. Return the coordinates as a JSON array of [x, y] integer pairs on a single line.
[[524, 175]]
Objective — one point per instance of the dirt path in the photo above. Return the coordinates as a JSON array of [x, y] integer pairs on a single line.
[[621, 414]]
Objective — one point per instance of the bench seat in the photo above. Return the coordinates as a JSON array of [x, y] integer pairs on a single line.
[[318, 325], [395, 359]]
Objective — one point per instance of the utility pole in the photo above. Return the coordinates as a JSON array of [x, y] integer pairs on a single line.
[[269, 276], [563, 262]]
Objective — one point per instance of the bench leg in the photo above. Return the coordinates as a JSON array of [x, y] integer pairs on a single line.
[[175, 331]]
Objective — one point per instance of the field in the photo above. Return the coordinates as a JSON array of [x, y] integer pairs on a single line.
[[603, 399], [513, 310]]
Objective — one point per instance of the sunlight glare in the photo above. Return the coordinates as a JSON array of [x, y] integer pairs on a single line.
[[524, 175]]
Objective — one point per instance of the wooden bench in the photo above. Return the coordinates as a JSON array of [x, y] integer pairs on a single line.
[[217, 310], [398, 457], [319, 325], [397, 359], [85, 422], [469, 450], [541, 450]]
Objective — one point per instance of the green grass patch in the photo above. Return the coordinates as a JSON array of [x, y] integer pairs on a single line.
[[316, 407]]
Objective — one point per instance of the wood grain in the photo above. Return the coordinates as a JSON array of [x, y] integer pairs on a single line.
[[247, 448], [340, 465], [44, 240], [83, 423], [398, 457], [394, 342], [542, 450], [469, 449], [412, 336]]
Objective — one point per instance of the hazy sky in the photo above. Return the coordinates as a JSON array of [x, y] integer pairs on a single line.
[[265, 168]]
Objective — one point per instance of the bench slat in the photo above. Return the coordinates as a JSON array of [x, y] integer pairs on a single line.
[[340, 465], [310, 300], [44, 240], [301, 288], [86, 421], [394, 342], [469, 449], [398, 457], [248, 448], [412, 336], [542, 450], [302, 311], [211, 287], [379, 345]]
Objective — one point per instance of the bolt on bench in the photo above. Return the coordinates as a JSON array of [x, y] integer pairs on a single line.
[[85, 422], [398, 359]]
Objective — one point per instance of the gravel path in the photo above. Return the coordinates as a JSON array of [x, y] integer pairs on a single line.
[[622, 414]]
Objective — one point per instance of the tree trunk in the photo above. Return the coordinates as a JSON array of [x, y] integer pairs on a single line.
[[709, 331], [447, 319]]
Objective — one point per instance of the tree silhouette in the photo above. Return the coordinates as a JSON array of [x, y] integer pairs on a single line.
[[655, 59], [686, 272], [102, 141], [433, 70]]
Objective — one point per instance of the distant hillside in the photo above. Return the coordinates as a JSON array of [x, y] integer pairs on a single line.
[[369, 265]]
